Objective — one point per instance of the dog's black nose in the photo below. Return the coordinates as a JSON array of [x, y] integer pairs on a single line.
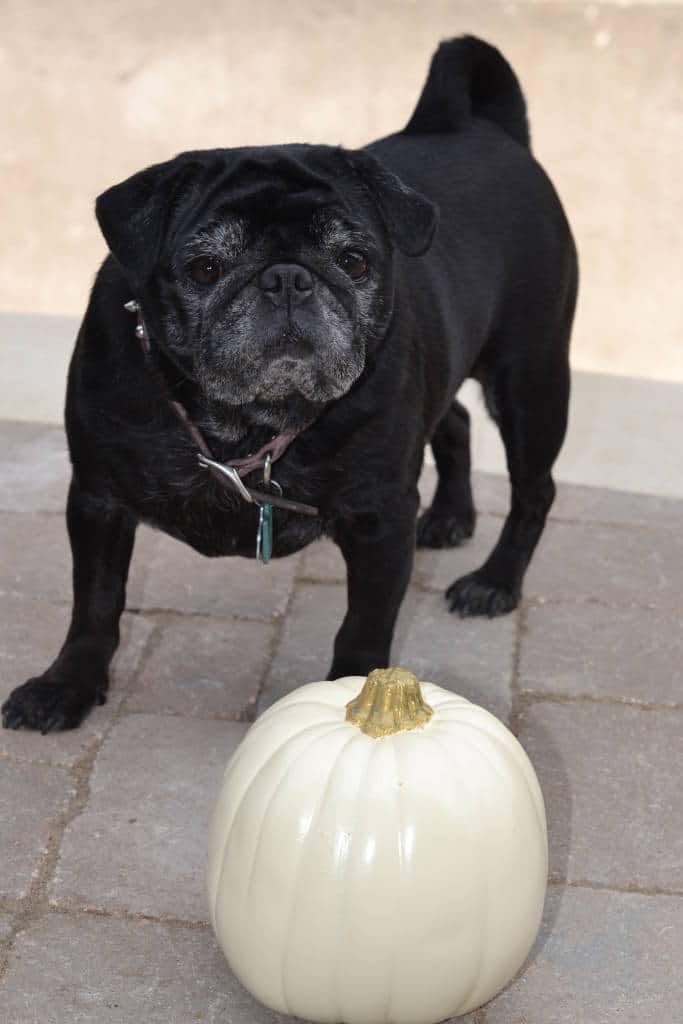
[[286, 284]]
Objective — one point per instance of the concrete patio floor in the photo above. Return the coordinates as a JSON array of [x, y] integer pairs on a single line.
[[102, 845]]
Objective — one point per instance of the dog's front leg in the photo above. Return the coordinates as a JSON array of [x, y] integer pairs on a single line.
[[378, 551], [101, 539]]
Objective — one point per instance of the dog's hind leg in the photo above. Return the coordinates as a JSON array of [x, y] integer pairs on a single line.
[[101, 539], [528, 398], [450, 518]]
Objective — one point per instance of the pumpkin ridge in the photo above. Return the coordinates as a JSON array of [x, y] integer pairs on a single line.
[[469, 742], [519, 757], [271, 799], [300, 863], [371, 751], [238, 803], [503, 737], [399, 832], [448, 750], [513, 750], [482, 934]]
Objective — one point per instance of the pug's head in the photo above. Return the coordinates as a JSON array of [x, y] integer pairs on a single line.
[[266, 274]]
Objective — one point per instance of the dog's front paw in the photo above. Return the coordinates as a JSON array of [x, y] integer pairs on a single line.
[[475, 594], [49, 705], [438, 529]]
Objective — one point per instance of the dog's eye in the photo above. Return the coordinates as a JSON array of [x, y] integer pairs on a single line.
[[354, 264], [205, 270]]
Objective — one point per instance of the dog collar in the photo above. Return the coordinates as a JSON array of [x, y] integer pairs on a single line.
[[230, 473]]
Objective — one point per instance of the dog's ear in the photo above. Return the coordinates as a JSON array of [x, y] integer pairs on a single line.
[[134, 216], [409, 217]]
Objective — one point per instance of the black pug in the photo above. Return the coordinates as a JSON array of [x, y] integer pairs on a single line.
[[321, 306]]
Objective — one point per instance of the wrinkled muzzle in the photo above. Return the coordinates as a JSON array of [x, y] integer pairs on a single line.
[[284, 335]]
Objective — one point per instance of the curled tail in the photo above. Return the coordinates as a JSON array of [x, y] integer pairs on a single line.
[[468, 78]]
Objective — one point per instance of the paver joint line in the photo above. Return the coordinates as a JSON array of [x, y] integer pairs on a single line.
[[72, 910], [528, 697], [516, 697], [245, 715], [152, 644], [170, 615], [624, 890]]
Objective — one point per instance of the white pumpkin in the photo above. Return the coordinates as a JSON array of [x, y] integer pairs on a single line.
[[386, 868]]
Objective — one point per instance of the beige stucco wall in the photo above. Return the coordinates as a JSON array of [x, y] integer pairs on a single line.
[[94, 91]]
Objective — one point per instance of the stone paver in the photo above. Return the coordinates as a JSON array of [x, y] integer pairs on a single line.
[[34, 468], [140, 844], [616, 565], [610, 776], [323, 561], [601, 958], [598, 504], [5, 926], [204, 667], [86, 969], [31, 798], [40, 560], [31, 634], [587, 649], [173, 576]]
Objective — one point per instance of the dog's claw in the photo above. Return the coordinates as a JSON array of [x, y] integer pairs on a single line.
[[11, 719], [53, 723]]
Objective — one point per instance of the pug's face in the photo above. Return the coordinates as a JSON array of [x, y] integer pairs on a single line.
[[267, 274], [277, 307]]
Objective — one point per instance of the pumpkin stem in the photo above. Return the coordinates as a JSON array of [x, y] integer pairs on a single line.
[[391, 701]]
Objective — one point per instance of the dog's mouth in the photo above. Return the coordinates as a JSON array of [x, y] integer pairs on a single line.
[[284, 385], [284, 379]]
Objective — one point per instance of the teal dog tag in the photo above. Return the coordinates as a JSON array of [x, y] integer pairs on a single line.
[[264, 534]]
